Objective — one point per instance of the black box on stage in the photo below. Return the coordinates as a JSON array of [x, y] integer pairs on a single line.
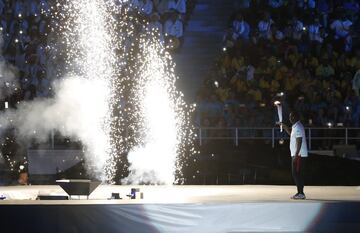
[[51, 198]]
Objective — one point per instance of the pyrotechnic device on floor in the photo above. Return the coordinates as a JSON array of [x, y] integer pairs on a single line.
[[78, 187]]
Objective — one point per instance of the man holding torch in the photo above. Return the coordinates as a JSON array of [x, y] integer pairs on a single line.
[[299, 152]]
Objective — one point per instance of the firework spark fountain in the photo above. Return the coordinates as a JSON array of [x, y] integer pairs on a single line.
[[156, 123], [153, 161], [87, 36], [118, 98]]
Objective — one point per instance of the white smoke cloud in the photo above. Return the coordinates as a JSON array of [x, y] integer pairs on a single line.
[[8, 85], [77, 110]]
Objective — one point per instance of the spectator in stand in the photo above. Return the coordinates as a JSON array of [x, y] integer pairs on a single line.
[[32, 70], [161, 6], [156, 26], [228, 39], [264, 26], [33, 7], [311, 5], [306, 5], [178, 5], [19, 8], [342, 35], [173, 26], [41, 54], [173, 29], [297, 28], [250, 72], [314, 31], [315, 36], [325, 70], [324, 9], [356, 82], [135, 4], [348, 43], [241, 29], [164, 6], [2, 7], [354, 61], [20, 60], [276, 33], [146, 6], [352, 8], [356, 115]]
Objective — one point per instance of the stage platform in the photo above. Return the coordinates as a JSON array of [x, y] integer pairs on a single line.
[[182, 209]]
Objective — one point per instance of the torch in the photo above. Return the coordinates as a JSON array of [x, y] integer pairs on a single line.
[[279, 110]]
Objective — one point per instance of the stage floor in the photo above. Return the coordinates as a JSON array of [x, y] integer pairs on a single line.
[[183, 209], [183, 194]]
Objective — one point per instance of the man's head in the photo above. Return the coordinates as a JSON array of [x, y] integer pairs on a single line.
[[23, 178], [293, 117]]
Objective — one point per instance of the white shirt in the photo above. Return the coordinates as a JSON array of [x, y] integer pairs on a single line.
[[239, 26], [341, 27], [297, 29], [250, 73], [314, 33], [146, 7], [264, 28], [179, 5], [174, 28], [311, 4], [298, 131]]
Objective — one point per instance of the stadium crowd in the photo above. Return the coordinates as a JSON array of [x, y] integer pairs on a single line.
[[304, 53], [26, 29]]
